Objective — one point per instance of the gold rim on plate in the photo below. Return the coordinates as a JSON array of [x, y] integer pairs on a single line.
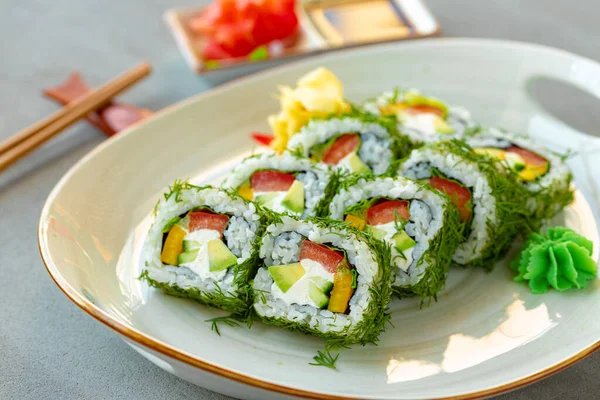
[[171, 352]]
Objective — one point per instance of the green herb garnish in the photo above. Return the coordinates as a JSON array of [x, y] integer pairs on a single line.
[[325, 359]]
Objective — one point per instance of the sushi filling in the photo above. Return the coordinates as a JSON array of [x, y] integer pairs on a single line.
[[278, 191], [460, 195], [528, 165], [194, 241], [348, 143], [420, 113], [341, 150], [321, 278], [386, 219]]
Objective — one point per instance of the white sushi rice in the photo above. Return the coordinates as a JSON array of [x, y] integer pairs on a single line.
[[375, 149], [426, 215], [240, 236], [314, 176], [418, 166], [281, 245], [458, 118]]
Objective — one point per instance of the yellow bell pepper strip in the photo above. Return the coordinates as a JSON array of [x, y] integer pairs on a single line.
[[342, 291], [356, 222], [246, 192], [173, 245]]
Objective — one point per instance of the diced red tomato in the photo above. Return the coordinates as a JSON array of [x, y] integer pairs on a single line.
[[340, 148], [236, 27], [459, 195], [425, 109], [263, 138], [204, 220], [271, 181], [329, 259], [388, 211], [529, 157]]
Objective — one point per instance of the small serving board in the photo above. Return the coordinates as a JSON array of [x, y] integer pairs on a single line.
[[324, 25]]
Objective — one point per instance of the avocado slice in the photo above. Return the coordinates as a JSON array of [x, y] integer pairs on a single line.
[[285, 276], [403, 241], [294, 198], [515, 161], [492, 152], [187, 257], [266, 198], [378, 234], [442, 126], [219, 256], [357, 165], [317, 296], [323, 284], [189, 245]]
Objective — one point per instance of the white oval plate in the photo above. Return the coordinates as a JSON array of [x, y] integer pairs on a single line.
[[486, 334]]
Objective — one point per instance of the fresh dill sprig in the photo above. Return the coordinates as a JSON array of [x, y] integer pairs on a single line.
[[325, 359], [229, 320]]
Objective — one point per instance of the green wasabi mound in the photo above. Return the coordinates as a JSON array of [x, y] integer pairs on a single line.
[[561, 259]]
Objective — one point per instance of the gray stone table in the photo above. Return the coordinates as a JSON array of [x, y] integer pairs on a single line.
[[48, 347]]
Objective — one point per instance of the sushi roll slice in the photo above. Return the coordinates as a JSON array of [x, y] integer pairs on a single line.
[[543, 173], [285, 183], [420, 224], [423, 119], [356, 143], [324, 278], [488, 197], [203, 245]]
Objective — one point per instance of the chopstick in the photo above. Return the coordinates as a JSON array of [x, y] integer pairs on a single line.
[[23, 142]]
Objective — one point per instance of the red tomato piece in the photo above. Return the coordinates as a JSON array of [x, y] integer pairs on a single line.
[[263, 138], [271, 181], [459, 195], [213, 51], [388, 211], [529, 157], [340, 148], [425, 109], [205, 220], [238, 27], [329, 259]]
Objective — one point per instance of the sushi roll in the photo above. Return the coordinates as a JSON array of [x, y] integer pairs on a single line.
[[356, 143], [203, 245], [420, 224], [324, 278], [423, 119], [285, 183], [543, 173], [486, 193]]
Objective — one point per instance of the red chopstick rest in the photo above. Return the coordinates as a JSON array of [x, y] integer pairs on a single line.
[[111, 119]]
